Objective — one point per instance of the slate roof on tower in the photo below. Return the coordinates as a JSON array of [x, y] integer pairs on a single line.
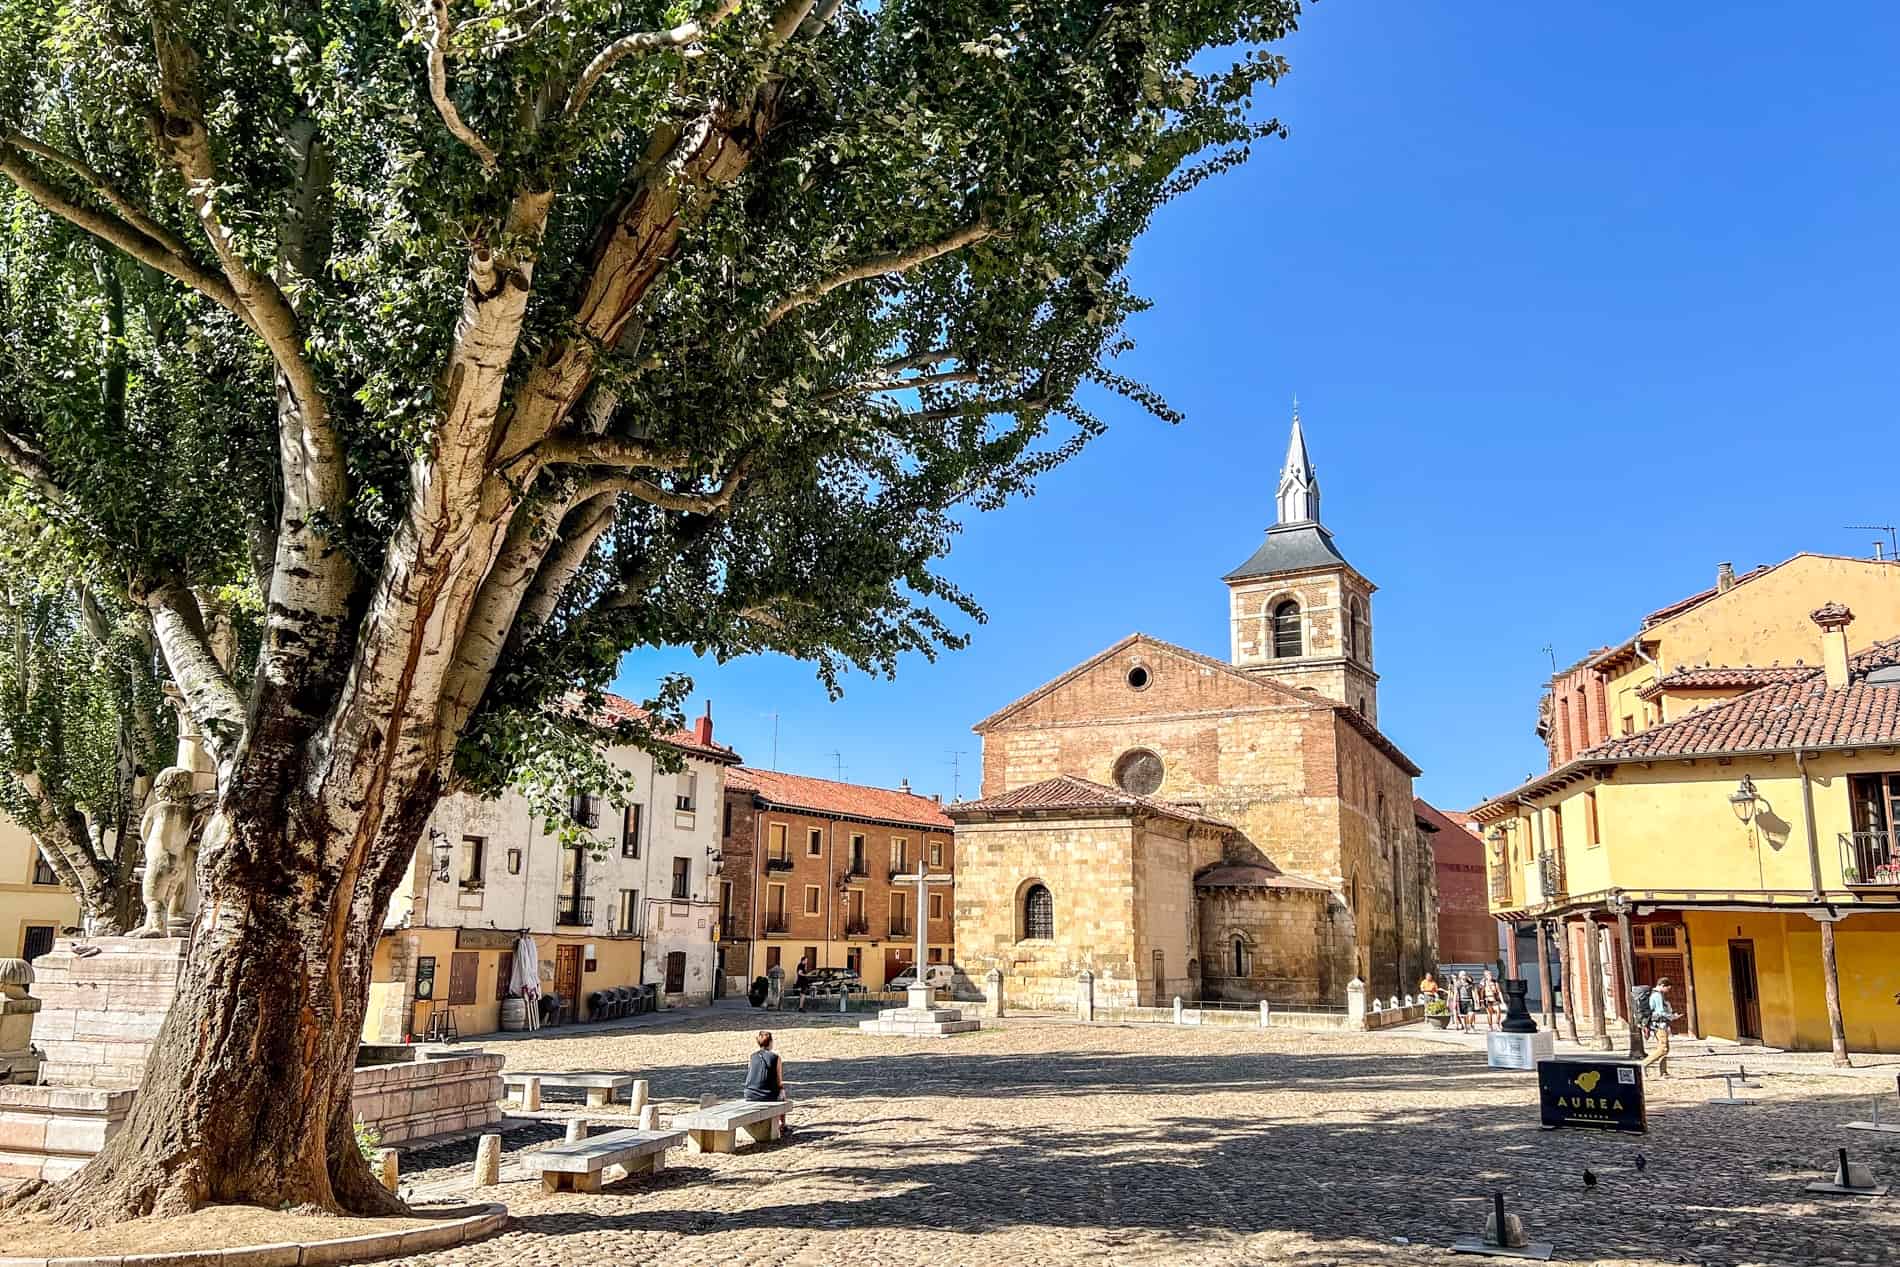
[[1297, 542]]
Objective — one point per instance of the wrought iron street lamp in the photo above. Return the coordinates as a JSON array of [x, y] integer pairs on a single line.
[[1743, 799]]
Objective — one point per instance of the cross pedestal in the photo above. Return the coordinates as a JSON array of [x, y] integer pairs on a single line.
[[920, 1017]]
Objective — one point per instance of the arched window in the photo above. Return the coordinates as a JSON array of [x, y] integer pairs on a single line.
[[1286, 630], [1039, 913], [1359, 635], [1240, 955]]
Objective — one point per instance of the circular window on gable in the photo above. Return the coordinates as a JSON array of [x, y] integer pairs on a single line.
[[1138, 677], [1139, 772]]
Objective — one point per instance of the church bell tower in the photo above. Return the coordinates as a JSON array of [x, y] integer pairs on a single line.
[[1300, 614]]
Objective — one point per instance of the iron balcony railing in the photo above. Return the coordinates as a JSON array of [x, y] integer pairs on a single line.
[[858, 871], [857, 927], [574, 912], [775, 923], [778, 862], [901, 928], [1870, 859]]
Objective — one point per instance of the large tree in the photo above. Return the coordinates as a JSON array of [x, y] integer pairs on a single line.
[[587, 325]]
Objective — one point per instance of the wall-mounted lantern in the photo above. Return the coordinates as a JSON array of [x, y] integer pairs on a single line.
[[1743, 799]]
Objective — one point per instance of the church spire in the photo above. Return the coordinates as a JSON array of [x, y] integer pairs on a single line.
[[1299, 484]]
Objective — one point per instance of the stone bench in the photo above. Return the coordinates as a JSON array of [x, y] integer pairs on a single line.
[[720, 1128], [577, 1167], [601, 1088]]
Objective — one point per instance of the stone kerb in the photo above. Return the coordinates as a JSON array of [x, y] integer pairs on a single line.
[[445, 1234]]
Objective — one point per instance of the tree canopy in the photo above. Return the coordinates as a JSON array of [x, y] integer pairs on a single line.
[[482, 342]]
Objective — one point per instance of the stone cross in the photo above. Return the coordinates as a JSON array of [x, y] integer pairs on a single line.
[[923, 880]]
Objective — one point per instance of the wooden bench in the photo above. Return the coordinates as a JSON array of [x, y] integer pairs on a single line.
[[577, 1167], [721, 1128], [602, 1088]]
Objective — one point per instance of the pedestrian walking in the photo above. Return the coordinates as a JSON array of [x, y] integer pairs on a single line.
[[1658, 1015], [1467, 1002], [1491, 998]]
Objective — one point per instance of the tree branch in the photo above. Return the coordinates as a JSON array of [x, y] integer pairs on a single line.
[[879, 266], [592, 450], [127, 210], [666, 499], [439, 89], [1000, 405], [644, 42], [872, 387], [214, 702], [114, 231], [25, 460]]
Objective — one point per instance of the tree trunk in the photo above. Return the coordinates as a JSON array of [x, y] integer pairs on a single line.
[[247, 1096]]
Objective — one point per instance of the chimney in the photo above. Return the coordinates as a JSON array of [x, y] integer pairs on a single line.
[[903, 785], [1833, 618], [702, 729], [1724, 577]]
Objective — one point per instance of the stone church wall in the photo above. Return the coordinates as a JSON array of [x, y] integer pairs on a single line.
[[1166, 944], [1088, 867], [1388, 877], [1296, 950]]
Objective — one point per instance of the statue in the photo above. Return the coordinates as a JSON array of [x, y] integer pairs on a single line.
[[170, 851]]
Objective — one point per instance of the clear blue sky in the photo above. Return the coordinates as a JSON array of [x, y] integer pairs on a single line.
[[1578, 302]]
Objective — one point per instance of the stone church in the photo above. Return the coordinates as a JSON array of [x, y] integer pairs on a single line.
[[1182, 825]]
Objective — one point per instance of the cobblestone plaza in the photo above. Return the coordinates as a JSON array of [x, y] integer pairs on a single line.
[[1043, 1142]]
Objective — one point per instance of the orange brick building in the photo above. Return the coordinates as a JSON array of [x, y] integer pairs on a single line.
[[809, 865]]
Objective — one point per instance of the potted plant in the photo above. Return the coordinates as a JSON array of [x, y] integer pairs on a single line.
[[1438, 1013]]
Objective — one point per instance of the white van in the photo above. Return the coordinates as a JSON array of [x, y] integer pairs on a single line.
[[938, 976]]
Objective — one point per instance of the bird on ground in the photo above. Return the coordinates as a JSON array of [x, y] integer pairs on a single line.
[[1642, 1162], [1589, 1178]]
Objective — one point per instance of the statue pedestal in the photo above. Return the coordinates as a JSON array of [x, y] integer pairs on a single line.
[[100, 1011], [1519, 1051]]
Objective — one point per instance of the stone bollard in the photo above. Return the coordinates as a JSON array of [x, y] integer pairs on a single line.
[[637, 1095], [531, 1096], [383, 1163], [488, 1161], [707, 1099], [1085, 995], [1392, 1004], [1356, 1003], [993, 991], [576, 1130], [844, 1001], [1266, 1010], [650, 1118], [1177, 1009]]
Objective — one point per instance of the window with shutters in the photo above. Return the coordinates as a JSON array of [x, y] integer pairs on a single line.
[[811, 899], [504, 973], [682, 877], [474, 863], [43, 870], [630, 832], [462, 968], [814, 843], [687, 797]]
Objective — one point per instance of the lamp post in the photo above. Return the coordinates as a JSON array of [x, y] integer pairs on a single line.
[[1620, 907]]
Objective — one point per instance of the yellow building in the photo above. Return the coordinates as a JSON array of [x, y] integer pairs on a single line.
[[1676, 661], [34, 905], [1747, 847]]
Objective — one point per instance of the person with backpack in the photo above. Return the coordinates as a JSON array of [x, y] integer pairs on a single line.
[[1467, 1002], [1657, 1014]]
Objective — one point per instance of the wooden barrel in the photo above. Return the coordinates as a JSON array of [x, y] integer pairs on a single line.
[[514, 1012]]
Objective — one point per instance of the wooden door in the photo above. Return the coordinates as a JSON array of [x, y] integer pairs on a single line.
[[567, 979], [1747, 993], [1653, 967]]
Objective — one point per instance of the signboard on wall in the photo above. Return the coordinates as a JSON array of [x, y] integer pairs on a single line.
[[425, 977], [1601, 1094]]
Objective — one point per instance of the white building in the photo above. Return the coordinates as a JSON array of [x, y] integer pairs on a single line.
[[637, 906]]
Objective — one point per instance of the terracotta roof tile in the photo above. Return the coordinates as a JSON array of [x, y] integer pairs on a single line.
[[1725, 677], [846, 800], [619, 708], [1779, 717], [1249, 875], [1066, 792]]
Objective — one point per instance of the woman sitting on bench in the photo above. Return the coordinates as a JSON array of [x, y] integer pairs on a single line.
[[765, 1075]]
